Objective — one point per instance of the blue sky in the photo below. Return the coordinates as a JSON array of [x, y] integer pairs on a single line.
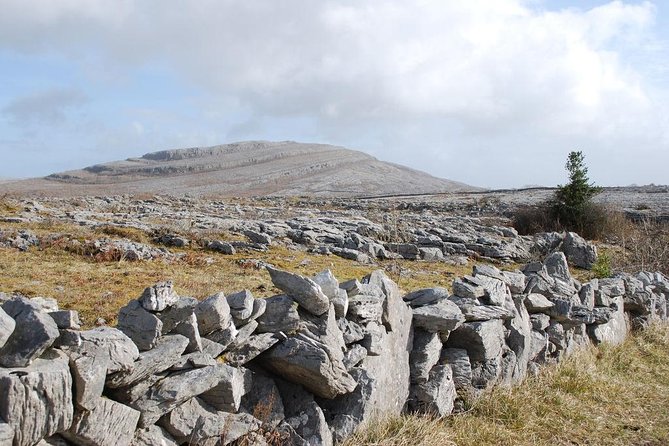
[[494, 93]]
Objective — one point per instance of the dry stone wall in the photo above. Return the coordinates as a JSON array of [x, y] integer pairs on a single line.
[[306, 367]]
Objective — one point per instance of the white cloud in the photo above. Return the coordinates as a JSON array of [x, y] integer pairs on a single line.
[[410, 81]]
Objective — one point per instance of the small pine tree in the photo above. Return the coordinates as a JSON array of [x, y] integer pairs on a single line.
[[571, 202]]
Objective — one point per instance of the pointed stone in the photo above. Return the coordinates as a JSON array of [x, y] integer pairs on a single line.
[[303, 290]]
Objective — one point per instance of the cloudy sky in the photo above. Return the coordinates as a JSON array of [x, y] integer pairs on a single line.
[[494, 93]]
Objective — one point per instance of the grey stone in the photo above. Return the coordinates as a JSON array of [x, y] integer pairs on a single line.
[[213, 313], [222, 247], [189, 329], [89, 373], [587, 294], [482, 340], [474, 311], [303, 290], [346, 413], [158, 297], [174, 390], [464, 288], [65, 319], [263, 401], [540, 321], [557, 267], [328, 283], [47, 304], [195, 360], [436, 395], [538, 346], [241, 305], [304, 415], [140, 325], [373, 340], [441, 316], [614, 331], [406, 250], [243, 334], [194, 422], [579, 252], [537, 303], [108, 423], [258, 237], [227, 394], [6, 434], [363, 308], [352, 287], [313, 357], [175, 314], [259, 307], [37, 400], [211, 348], [516, 281], [496, 291], [519, 337], [102, 341], [424, 355], [34, 332], [461, 367], [354, 356], [611, 287], [132, 393], [227, 336], [352, 331], [280, 315], [390, 293], [153, 436], [7, 325], [431, 254], [488, 271], [426, 296], [164, 355], [251, 347]]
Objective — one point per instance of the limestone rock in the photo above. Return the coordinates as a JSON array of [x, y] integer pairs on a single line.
[[89, 373], [158, 297], [614, 331], [108, 423], [425, 354], [6, 434], [461, 367], [7, 325], [354, 356], [153, 436], [438, 317], [241, 305], [37, 400], [537, 303], [227, 394], [280, 315], [579, 252], [482, 340], [437, 394], [140, 325], [167, 351], [304, 415], [251, 347], [302, 289], [34, 332], [66, 319], [351, 331], [194, 422], [426, 297], [109, 342], [365, 308], [213, 313], [175, 389], [263, 401], [189, 329]]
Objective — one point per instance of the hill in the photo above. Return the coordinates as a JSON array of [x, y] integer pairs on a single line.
[[249, 168]]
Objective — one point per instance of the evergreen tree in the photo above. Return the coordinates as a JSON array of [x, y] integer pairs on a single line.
[[571, 203]]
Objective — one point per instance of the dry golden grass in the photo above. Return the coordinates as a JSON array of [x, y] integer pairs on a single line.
[[99, 287], [599, 396]]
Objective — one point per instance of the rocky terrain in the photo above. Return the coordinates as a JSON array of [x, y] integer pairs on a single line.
[[306, 367], [253, 168]]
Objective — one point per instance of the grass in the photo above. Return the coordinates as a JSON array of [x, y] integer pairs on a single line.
[[599, 396], [98, 288]]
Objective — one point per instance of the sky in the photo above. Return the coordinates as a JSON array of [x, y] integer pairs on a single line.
[[493, 93]]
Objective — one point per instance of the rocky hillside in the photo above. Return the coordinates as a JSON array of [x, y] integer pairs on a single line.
[[246, 169]]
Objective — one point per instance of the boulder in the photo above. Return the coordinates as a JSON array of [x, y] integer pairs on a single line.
[[158, 297], [189, 329], [140, 325], [174, 390], [241, 305], [313, 357], [213, 313], [227, 394], [7, 325], [108, 423], [435, 396], [165, 354], [34, 332], [109, 342], [153, 436], [614, 331], [303, 290], [37, 400], [438, 317], [65, 319], [483, 341], [424, 355], [280, 315], [194, 422], [557, 267], [89, 373], [579, 252]]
